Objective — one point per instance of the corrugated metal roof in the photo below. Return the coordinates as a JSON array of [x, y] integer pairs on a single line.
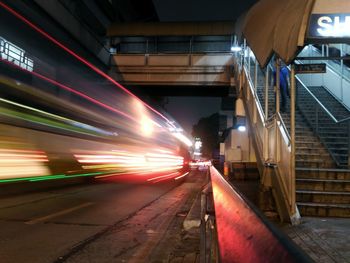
[[259, 27], [280, 26]]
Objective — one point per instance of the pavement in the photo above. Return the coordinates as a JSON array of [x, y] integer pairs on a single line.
[[113, 226], [101, 222], [154, 234], [324, 239]]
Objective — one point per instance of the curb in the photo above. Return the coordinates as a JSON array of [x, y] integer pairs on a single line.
[[193, 218]]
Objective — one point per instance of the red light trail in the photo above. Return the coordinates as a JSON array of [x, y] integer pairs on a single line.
[[94, 68], [70, 89]]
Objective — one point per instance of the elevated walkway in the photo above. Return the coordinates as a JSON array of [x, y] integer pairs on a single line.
[[173, 69]]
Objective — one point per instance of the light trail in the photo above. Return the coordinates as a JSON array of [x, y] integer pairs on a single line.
[[97, 102], [84, 61], [181, 176]]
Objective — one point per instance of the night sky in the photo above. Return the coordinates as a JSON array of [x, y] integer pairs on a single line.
[[188, 110], [200, 10]]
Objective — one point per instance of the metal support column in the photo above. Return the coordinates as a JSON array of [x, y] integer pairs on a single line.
[[278, 66], [292, 143], [266, 98], [342, 53], [277, 106], [255, 89]]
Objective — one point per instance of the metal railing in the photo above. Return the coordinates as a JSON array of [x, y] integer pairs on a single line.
[[324, 123], [337, 77], [243, 233], [208, 241], [15, 55], [271, 136]]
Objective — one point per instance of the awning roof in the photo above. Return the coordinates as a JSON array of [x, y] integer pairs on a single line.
[[290, 29], [280, 26], [259, 27]]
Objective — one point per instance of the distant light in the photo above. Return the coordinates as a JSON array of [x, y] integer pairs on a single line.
[[113, 50], [197, 153], [242, 128], [236, 49], [197, 145]]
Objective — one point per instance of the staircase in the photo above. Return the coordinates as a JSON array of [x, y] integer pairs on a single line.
[[322, 188], [335, 136]]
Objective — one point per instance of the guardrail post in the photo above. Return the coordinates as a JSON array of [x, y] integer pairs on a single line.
[[208, 243], [203, 243]]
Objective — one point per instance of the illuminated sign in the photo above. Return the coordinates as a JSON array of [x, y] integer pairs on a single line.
[[329, 26], [310, 68]]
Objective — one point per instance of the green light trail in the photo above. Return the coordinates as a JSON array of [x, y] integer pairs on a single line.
[[49, 177]]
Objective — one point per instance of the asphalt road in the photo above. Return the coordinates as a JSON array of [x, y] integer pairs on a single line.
[[57, 225]]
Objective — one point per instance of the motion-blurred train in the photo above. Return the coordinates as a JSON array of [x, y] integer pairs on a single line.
[[62, 117]]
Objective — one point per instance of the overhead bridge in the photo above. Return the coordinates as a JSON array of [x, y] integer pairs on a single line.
[[174, 69], [178, 56]]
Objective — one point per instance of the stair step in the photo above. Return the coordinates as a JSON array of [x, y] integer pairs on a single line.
[[338, 132], [323, 197], [314, 163], [322, 173], [335, 138], [305, 152], [336, 144], [299, 138], [323, 210], [323, 184], [339, 149], [312, 156], [314, 150]]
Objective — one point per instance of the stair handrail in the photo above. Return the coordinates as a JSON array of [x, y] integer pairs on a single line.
[[280, 118], [318, 101], [327, 61], [266, 142], [329, 65], [255, 96], [336, 121], [321, 104]]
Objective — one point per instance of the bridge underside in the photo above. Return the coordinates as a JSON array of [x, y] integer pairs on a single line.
[[175, 74], [185, 91]]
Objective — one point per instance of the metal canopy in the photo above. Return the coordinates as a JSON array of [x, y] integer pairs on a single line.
[[289, 35], [282, 26], [259, 27]]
